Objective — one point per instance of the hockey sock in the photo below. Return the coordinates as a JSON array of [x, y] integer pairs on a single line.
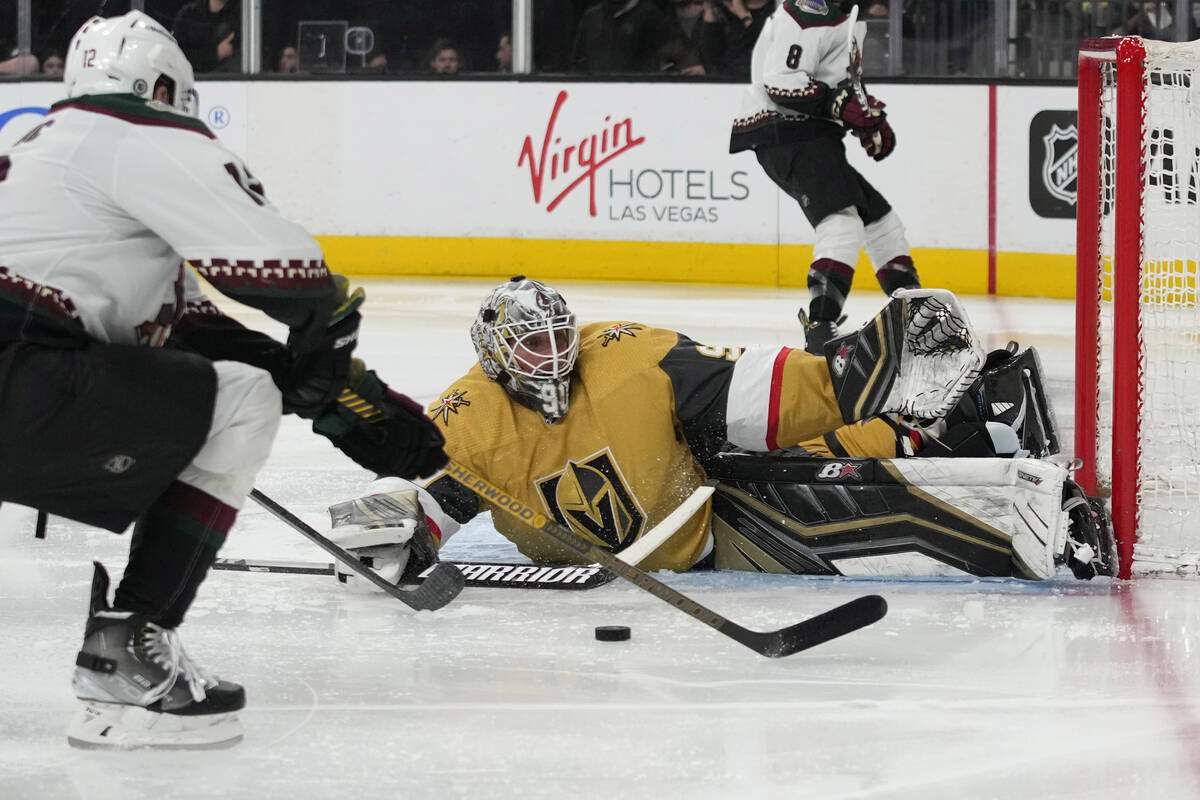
[[828, 284], [174, 544], [899, 273]]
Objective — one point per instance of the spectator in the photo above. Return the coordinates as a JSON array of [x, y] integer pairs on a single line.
[[728, 30], [289, 59], [53, 64], [877, 42], [18, 64], [504, 55], [554, 28], [207, 32], [616, 36], [374, 62], [1153, 21], [444, 57], [12, 62], [682, 53]]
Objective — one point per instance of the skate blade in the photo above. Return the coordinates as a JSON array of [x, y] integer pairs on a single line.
[[112, 726]]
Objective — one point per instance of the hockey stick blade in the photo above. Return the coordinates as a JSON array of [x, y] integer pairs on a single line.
[[846, 618], [776, 644], [441, 586]]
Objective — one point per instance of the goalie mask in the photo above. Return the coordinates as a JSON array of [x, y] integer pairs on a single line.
[[130, 54], [527, 340]]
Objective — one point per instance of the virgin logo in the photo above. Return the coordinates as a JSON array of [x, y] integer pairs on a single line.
[[576, 163]]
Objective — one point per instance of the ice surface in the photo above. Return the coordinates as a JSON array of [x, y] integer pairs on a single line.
[[981, 689]]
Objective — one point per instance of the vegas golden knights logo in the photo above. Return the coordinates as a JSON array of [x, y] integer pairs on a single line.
[[590, 495]]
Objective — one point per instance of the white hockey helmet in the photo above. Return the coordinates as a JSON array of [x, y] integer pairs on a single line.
[[130, 54], [527, 340]]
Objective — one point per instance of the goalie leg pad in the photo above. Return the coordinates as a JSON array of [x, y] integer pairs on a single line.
[[918, 356]]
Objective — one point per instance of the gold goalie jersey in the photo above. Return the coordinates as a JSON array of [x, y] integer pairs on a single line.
[[648, 406]]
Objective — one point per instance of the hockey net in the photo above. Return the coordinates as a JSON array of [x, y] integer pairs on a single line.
[[1137, 404]]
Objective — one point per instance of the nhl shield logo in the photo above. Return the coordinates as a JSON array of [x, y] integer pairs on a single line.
[[1060, 164]]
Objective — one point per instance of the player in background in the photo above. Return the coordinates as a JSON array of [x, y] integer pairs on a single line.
[[608, 427], [107, 210], [800, 102]]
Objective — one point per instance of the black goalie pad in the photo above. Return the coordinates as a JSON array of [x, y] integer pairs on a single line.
[[787, 512], [1012, 390]]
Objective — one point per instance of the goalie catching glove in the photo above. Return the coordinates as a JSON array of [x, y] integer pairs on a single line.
[[382, 430], [388, 532], [918, 357]]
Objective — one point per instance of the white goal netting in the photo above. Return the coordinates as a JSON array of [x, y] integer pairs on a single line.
[[1167, 420]]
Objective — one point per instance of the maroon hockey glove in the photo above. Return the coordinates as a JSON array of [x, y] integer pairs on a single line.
[[878, 142], [845, 106]]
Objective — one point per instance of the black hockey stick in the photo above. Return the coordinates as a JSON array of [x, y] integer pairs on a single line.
[[441, 586], [487, 574], [816, 630]]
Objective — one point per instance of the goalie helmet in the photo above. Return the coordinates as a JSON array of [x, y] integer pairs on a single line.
[[130, 54], [527, 340]]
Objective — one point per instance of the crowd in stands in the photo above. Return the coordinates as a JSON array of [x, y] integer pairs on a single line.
[[711, 38]]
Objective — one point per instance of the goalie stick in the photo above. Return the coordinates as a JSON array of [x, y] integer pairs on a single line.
[[495, 574], [488, 574], [441, 586], [858, 613]]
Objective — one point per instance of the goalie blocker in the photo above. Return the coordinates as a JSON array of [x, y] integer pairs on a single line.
[[921, 517]]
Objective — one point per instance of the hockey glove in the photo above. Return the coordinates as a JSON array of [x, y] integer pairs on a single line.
[[389, 533], [382, 430], [316, 378], [878, 141], [844, 105]]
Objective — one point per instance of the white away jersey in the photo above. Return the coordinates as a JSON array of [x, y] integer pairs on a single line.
[[102, 203], [803, 50]]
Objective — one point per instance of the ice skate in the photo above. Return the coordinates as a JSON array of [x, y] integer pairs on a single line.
[[818, 331], [139, 688]]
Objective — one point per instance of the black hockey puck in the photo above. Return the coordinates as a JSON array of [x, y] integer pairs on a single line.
[[612, 633]]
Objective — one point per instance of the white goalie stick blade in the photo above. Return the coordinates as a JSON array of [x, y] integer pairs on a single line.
[[654, 538], [488, 574]]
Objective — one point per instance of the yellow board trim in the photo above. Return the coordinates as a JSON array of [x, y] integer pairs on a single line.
[[961, 271]]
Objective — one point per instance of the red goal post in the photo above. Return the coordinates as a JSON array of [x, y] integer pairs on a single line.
[[1137, 358]]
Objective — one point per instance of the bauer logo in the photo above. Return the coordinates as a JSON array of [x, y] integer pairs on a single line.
[[1053, 163], [840, 471]]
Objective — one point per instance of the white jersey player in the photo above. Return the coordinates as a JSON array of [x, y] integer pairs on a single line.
[[108, 209], [804, 94]]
